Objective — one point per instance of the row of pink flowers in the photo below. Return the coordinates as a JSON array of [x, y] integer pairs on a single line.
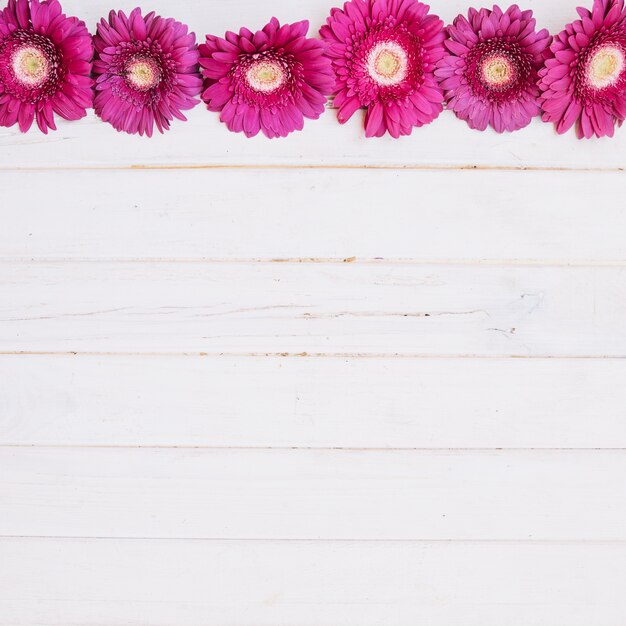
[[394, 58]]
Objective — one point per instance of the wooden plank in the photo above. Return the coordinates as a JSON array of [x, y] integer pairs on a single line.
[[205, 142], [294, 402], [317, 214], [191, 583], [313, 494], [403, 309]]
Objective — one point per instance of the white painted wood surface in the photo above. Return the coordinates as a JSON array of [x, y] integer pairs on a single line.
[[61, 582], [314, 494], [204, 143], [407, 403], [314, 382], [346, 308], [310, 214]]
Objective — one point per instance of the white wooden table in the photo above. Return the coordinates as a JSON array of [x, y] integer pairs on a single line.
[[322, 381]]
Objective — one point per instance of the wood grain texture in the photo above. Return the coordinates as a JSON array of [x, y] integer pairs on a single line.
[[195, 583], [274, 308], [446, 216], [314, 494], [319, 403]]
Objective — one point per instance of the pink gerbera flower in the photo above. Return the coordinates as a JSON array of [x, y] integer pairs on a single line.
[[146, 70], [490, 74], [45, 65], [585, 82], [384, 54], [266, 81]]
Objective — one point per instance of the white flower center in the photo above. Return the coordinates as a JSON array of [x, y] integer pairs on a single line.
[[606, 66], [497, 71], [387, 63], [143, 74], [265, 76], [30, 66]]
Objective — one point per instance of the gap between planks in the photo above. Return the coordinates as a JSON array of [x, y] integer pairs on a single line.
[[323, 261], [310, 355], [433, 451], [308, 540], [305, 166]]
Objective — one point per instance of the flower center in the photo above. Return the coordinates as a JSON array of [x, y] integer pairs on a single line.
[[387, 63], [265, 76], [497, 71], [606, 66], [30, 66], [143, 73]]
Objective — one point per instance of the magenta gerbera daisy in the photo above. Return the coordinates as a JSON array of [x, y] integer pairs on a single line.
[[384, 54], [266, 81], [147, 71], [585, 81], [45, 65], [490, 73]]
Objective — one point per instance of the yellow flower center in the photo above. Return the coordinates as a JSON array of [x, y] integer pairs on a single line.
[[606, 67], [143, 74], [265, 76], [30, 66], [387, 63], [497, 71]]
